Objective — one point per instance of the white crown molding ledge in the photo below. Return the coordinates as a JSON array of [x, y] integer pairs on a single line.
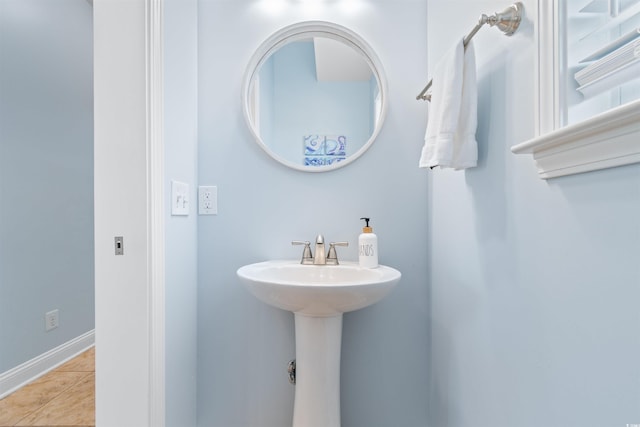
[[604, 141]]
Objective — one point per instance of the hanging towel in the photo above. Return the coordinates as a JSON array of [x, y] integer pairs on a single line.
[[450, 139]]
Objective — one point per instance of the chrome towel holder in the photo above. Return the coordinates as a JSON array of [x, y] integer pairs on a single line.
[[507, 21]]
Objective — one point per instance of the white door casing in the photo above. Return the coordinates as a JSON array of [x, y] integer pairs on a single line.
[[129, 172]]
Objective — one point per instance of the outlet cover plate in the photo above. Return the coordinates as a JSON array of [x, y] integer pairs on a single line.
[[208, 200], [50, 320]]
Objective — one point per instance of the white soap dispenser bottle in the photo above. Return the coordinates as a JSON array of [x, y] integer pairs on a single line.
[[368, 247]]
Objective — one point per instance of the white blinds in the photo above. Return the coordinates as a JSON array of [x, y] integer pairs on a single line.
[[602, 55]]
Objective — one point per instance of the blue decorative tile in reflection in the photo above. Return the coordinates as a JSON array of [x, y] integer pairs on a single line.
[[335, 145], [322, 160], [314, 161], [329, 149], [332, 160], [314, 145]]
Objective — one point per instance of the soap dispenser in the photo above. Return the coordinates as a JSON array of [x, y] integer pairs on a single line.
[[368, 247]]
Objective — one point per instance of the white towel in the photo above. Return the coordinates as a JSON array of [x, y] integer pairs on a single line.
[[450, 139]]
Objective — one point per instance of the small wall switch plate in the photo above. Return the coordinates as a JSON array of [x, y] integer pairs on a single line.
[[179, 198], [50, 320], [118, 242], [208, 200]]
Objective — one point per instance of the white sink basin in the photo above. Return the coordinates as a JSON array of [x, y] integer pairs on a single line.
[[318, 290], [318, 295]]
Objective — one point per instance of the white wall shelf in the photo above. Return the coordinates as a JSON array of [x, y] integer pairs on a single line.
[[604, 141]]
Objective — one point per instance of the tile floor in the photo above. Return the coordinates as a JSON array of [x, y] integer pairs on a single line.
[[62, 397]]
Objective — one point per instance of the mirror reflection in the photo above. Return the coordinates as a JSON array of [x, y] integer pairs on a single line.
[[315, 101]]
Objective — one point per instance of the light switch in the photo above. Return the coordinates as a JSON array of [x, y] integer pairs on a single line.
[[179, 198]]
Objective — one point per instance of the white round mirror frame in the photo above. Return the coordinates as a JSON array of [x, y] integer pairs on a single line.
[[300, 31]]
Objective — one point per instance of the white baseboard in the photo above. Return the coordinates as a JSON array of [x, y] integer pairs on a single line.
[[23, 374]]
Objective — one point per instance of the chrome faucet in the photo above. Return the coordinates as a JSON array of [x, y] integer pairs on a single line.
[[319, 258]]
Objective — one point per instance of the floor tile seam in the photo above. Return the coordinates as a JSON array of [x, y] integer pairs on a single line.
[[33, 410], [40, 407], [55, 399], [75, 369], [72, 370], [65, 391]]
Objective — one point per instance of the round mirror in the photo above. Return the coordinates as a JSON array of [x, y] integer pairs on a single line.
[[314, 96]]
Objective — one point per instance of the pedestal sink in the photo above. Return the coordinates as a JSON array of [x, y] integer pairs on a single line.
[[317, 295]]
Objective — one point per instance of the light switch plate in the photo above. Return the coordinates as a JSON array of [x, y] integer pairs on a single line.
[[208, 200], [179, 198]]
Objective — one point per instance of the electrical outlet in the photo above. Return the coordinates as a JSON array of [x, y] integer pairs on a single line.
[[50, 320], [208, 200]]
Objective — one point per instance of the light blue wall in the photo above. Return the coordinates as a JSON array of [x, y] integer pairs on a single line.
[[244, 345], [46, 175], [181, 145], [518, 303], [534, 285]]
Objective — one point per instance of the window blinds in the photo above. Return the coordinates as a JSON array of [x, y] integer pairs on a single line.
[[605, 38]]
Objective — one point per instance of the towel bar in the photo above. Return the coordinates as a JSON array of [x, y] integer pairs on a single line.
[[507, 21]]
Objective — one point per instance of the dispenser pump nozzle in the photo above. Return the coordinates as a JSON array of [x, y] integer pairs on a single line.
[[366, 228]]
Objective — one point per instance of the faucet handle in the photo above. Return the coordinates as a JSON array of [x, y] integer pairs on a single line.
[[332, 256], [307, 258]]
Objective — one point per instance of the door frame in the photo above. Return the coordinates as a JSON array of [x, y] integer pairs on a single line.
[[129, 202]]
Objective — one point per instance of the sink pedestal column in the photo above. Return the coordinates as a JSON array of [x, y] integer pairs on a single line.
[[317, 395]]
